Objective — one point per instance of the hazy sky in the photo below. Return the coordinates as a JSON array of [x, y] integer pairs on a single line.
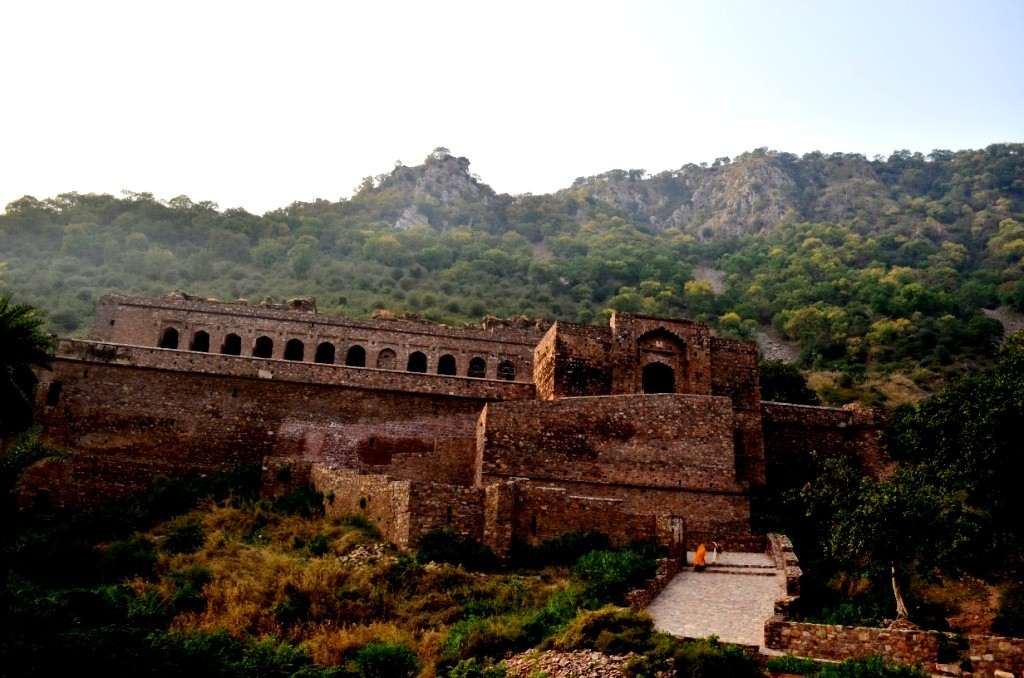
[[258, 104]]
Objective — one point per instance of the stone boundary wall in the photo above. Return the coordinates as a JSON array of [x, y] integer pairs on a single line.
[[291, 371], [780, 549], [542, 513], [986, 654], [403, 510], [639, 599]]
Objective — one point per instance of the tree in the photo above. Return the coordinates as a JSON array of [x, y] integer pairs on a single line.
[[23, 346], [784, 383]]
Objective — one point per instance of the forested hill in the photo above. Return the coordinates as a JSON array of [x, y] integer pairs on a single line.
[[867, 267]]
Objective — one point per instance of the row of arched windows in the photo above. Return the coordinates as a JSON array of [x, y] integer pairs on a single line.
[[325, 353]]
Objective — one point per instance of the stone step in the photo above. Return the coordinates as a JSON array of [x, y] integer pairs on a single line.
[[741, 573]]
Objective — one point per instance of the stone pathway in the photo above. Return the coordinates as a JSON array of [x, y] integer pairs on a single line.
[[732, 599]]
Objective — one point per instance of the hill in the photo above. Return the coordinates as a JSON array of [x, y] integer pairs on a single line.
[[866, 268]]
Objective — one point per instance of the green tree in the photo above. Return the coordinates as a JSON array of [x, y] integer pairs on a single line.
[[783, 382], [23, 346]]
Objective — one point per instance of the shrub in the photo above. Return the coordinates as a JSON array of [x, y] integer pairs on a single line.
[[387, 660], [486, 637], [561, 550], [561, 608], [870, 667], [188, 588], [700, 658], [610, 630], [127, 558], [1009, 620], [609, 575], [319, 545], [471, 668], [293, 608], [795, 665], [184, 535], [446, 546], [303, 501]]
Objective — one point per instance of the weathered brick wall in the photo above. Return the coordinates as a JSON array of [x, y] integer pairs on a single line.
[[385, 502], [735, 374], [793, 432], [574, 361], [683, 345], [986, 654], [437, 506], [658, 441], [543, 513], [186, 411], [141, 322]]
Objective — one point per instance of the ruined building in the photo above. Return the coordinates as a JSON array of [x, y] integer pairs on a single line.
[[649, 428]]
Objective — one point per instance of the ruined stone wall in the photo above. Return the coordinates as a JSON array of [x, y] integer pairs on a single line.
[[573, 360], [683, 345], [178, 412], [985, 654], [543, 513], [383, 501], [438, 506], [387, 343], [658, 441], [735, 374], [793, 432]]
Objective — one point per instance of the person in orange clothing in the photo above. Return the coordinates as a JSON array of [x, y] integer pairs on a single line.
[[700, 558]]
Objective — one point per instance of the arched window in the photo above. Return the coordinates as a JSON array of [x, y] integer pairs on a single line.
[[232, 345], [417, 362], [325, 353], [264, 348], [659, 378], [294, 350], [477, 367], [169, 339], [507, 370], [386, 359], [446, 364], [356, 356], [200, 342]]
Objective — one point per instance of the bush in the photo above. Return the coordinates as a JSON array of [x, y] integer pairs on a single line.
[[610, 630], [870, 667], [188, 588], [446, 546], [609, 575], [795, 665], [293, 608], [697, 659], [387, 660], [1009, 620], [561, 550], [303, 501], [127, 558], [185, 535], [471, 668], [486, 637]]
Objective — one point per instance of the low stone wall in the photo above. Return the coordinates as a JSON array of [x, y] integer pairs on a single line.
[[640, 598], [780, 548], [986, 654]]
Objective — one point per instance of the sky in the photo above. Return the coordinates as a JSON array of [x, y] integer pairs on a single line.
[[259, 104]]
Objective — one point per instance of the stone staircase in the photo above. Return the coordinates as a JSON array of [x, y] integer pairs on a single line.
[[731, 599]]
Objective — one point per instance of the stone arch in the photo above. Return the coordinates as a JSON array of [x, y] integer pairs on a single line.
[[658, 378], [667, 348], [355, 356], [417, 362], [200, 342], [168, 338], [232, 345], [507, 370], [387, 359], [477, 367], [263, 348], [324, 353], [294, 349], [446, 364]]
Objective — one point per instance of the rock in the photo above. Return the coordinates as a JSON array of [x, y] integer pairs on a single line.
[[947, 670]]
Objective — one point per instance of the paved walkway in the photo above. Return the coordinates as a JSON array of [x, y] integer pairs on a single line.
[[731, 599]]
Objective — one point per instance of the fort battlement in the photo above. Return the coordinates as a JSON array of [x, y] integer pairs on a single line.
[[647, 428]]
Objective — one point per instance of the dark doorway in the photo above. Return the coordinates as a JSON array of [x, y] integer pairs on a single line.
[[324, 353], [446, 364], [169, 339], [232, 345], [507, 370], [264, 348], [417, 362], [200, 342], [356, 356], [477, 367], [659, 378], [294, 350]]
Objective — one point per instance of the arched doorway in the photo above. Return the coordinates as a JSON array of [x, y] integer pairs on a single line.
[[417, 362], [264, 348], [386, 359], [200, 342], [232, 345], [356, 356], [446, 364], [294, 350], [477, 368], [659, 378], [169, 339], [324, 353]]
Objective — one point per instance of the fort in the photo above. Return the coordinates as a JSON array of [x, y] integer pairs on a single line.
[[648, 428]]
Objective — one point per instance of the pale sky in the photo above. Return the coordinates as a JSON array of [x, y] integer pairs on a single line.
[[255, 105]]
